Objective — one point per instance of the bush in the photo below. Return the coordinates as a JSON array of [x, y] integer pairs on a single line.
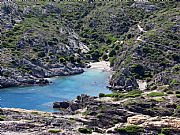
[[2, 118], [54, 130], [62, 60], [130, 94], [85, 130], [178, 107], [71, 59], [138, 70], [111, 60], [41, 54], [169, 92], [166, 131], [155, 94], [178, 95], [133, 94], [174, 82], [104, 57], [101, 95], [160, 99], [112, 53], [129, 129], [177, 92]]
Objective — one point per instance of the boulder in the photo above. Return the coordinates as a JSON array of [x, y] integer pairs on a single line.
[[63, 104]]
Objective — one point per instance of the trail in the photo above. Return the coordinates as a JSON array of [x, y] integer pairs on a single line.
[[139, 37]]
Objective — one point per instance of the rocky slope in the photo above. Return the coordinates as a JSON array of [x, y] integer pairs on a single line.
[[34, 45], [150, 52]]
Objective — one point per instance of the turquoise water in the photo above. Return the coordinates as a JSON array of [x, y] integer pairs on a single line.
[[91, 82]]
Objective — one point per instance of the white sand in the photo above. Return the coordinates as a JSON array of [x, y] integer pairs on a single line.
[[103, 65]]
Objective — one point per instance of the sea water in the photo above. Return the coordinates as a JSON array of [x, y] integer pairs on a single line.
[[91, 82]]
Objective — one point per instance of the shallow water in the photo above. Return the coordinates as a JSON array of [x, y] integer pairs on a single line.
[[91, 82]]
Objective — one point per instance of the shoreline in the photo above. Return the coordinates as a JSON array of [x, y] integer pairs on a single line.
[[102, 65]]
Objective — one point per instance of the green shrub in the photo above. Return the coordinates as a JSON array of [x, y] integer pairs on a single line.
[[129, 129], [178, 95], [41, 54], [160, 99], [169, 92], [54, 131], [177, 92], [112, 53], [101, 95], [104, 57], [130, 94], [85, 130], [2, 118], [62, 60], [166, 131], [138, 70], [112, 60], [155, 94], [173, 82], [133, 94], [178, 107], [35, 113]]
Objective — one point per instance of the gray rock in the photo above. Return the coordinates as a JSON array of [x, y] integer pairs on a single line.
[[63, 104]]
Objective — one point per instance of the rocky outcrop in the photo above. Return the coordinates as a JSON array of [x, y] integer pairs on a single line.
[[81, 102], [155, 122], [124, 81]]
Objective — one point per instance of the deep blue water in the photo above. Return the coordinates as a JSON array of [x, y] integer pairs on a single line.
[[91, 82]]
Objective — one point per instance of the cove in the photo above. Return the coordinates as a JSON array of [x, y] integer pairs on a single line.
[[91, 82]]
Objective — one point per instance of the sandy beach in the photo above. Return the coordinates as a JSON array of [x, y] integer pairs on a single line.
[[103, 65]]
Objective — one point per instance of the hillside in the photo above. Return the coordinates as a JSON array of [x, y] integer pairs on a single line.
[[46, 39], [150, 52]]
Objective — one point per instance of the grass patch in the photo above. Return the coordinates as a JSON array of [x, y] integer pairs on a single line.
[[130, 94], [155, 94], [130, 129], [85, 130], [54, 131]]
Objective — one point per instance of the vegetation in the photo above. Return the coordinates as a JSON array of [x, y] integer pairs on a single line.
[[178, 95], [130, 129], [2, 118], [85, 130], [130, 94], [156, 94], [166, 131], [54, 131]]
